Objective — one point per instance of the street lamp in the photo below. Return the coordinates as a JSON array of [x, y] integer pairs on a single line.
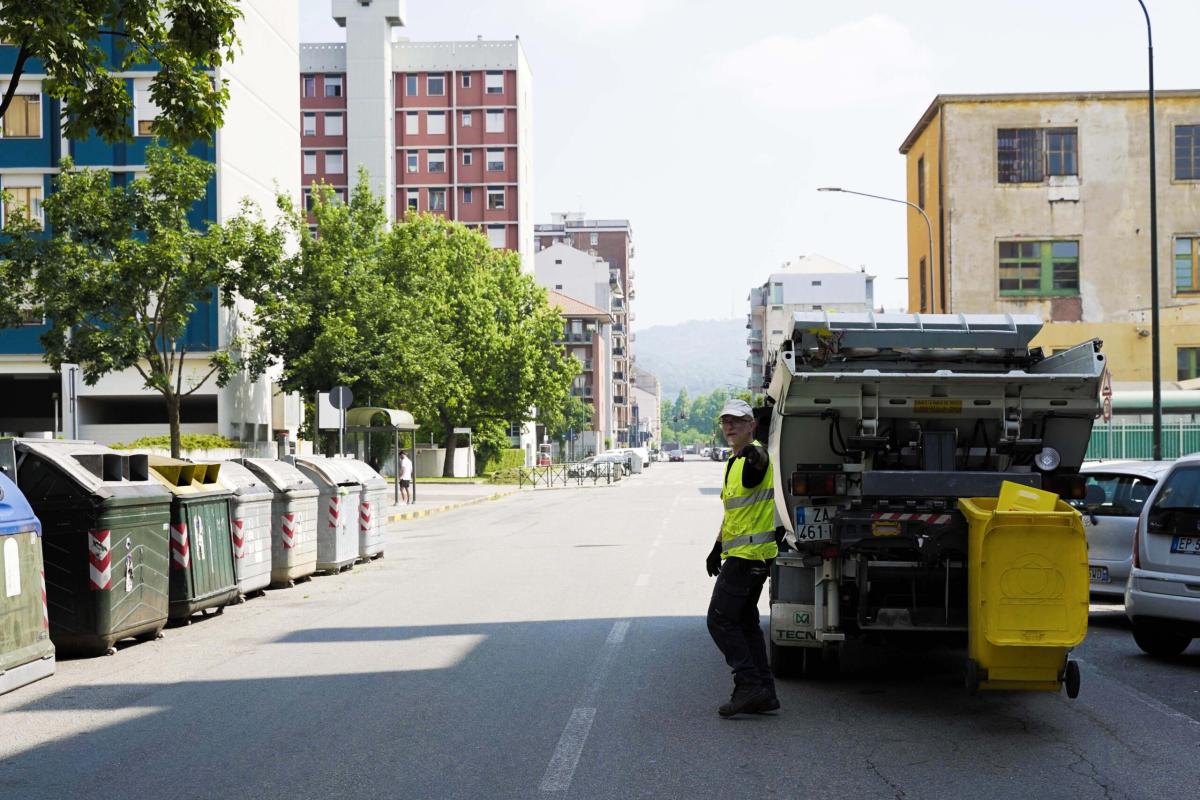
[[917, 208], [1155, 356]]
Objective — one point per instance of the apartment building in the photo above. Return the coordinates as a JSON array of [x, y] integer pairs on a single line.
[[647, 405], [1040, 205], [587, 335], [255, 152], [611, 240], [807, 283], [439, 127]]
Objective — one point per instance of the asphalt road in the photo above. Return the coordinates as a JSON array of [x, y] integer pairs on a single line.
[[552, 644]]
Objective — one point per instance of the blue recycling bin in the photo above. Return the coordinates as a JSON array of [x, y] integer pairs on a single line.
[[26, 652]]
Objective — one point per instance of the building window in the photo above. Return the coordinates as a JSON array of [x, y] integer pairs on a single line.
[[497, 236], [466, 119], [339, 197], [1188, 361], [1187, 152], [334, 125], [1028, 155], [776, 294], [23, 120], [1187, 264], [310, 163], [412, 162], [494, 81], [594, 239], [309, 85], [410, 85], [333, 85], [495, 161], [1039, 269], [468, 159], [412, 123], [495, 197], [921, 182], [414, 196], [816, 283], [495, 122], [145, 111], [435, 85], [25, 201], [436, 160], [466, 80], [335, 163], [468, 196], [437, 199], [310, 124], [435, 123]]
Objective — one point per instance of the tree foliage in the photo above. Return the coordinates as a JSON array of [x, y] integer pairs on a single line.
[[696, 421], [76, 42], [121, 270]]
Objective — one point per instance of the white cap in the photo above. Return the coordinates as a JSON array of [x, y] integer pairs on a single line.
[[737, 408]]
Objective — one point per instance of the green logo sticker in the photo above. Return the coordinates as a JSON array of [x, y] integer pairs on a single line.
[[802, 618]]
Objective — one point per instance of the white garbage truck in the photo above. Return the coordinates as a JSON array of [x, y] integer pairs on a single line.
[[879, 423]]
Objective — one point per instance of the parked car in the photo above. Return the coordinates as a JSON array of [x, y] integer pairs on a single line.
[[1162, 596], [619, 458], [1117, 495], [676, 455]]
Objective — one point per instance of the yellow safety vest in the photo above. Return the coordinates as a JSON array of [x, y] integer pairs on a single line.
[[748, 529]]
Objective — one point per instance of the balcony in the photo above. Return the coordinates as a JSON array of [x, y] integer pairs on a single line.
[[581, 391], [584, 337], [755, 336], [619, 352], [618, 328], [619, 399], [617, 304]]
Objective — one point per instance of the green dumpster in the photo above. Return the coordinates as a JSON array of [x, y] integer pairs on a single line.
[[104, 541], [26, 653], [202, 571]]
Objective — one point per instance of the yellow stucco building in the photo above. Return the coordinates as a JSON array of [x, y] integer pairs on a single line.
[[1040, 204]]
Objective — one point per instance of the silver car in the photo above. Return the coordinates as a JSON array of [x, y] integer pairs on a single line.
[[1162, 597], [1117, 494]]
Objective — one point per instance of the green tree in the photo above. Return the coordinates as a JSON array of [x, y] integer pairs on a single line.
[[122, 270], [574, 415], [74, 41]]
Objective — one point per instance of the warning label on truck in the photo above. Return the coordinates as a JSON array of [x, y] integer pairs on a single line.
[[937, 405]]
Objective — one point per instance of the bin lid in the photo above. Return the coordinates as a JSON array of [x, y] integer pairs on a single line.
[[187, 478], [280, 475], [241, 481], [363, 473], [82, 462], [15, 514], [331, 471]]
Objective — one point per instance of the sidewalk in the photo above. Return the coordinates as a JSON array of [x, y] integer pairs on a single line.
[[433, 498]]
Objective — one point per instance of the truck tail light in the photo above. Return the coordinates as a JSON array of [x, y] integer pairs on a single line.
[[1137, 542], [818, 484]]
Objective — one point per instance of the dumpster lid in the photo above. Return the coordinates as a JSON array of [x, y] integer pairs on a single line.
[[241, 481], [330, 470], [187, 478], [16, 516], [362, 472], [83, 462], [279, 475]]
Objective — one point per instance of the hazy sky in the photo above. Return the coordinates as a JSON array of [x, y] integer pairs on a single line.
[[709, 124]]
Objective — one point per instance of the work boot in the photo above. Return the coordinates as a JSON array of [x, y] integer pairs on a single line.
[[768, 705], [747, 698]]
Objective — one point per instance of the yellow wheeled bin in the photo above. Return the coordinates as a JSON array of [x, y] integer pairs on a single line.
[[1027, 596]]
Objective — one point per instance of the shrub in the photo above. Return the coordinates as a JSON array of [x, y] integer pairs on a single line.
[[508, 458], [187, 441]]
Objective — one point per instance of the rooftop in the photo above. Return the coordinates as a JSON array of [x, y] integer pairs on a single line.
[[570, 307]]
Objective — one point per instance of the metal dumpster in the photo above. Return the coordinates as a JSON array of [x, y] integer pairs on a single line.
[[372, 502], [293, 519], [337, 534], [202, 573], [249, 526], [26, 652], [1027, 596], [104, 540]]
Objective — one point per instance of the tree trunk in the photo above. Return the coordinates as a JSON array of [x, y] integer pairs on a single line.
[[173, 401], [451, 444]]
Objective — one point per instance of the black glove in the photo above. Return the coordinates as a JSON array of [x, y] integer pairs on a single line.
[[756, 457], [713, 562]]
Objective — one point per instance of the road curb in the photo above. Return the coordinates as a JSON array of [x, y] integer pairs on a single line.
[[425, 512]]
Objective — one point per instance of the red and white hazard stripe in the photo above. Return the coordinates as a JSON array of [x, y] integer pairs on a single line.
[[180, 557], [932, 519], [288, 526], [100, 559], [239, 538], [364, 516], [45, 605], [335, 511]]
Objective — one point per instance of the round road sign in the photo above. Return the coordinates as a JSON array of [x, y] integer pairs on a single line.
[[340, 397]]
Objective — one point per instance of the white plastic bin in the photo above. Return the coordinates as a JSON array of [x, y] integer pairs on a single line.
[[371, 504], [337, 510], [293, 520], [249, 526]]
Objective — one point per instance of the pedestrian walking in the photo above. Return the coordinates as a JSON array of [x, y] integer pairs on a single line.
[[404, 477], [740, 560]]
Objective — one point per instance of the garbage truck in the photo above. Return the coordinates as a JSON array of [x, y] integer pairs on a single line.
[[878, 426]]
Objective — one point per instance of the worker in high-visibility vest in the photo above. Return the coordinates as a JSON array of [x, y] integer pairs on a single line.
[[740, 560]]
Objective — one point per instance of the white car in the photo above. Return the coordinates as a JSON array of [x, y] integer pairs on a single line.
[[1162, 596], [1117, 495]]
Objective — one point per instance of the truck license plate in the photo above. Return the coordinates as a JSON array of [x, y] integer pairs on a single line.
[[1098, 574], [1183, 544], [814, 523]]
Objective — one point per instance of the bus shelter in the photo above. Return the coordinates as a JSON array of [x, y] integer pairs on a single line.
[[392, 422]]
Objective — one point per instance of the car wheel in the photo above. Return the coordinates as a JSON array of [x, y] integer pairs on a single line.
[[1159, 641]]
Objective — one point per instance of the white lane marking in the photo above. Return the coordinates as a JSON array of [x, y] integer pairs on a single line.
[[561, 768], [643, 579], [1145, 699]]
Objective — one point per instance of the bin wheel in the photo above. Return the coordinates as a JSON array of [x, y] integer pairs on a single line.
[[110, 651], [1071, 679], [972, 677], [220, 610], [241, 598]]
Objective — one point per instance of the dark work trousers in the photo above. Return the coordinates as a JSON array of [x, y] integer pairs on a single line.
[[733, 620]]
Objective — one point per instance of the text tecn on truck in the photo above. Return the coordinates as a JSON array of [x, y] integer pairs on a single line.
[[880, 424]]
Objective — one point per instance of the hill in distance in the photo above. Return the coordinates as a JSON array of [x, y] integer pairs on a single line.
[[701, 355]]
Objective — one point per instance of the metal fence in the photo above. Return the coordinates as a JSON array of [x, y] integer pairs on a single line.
[[571, 473], [1133, 440]]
